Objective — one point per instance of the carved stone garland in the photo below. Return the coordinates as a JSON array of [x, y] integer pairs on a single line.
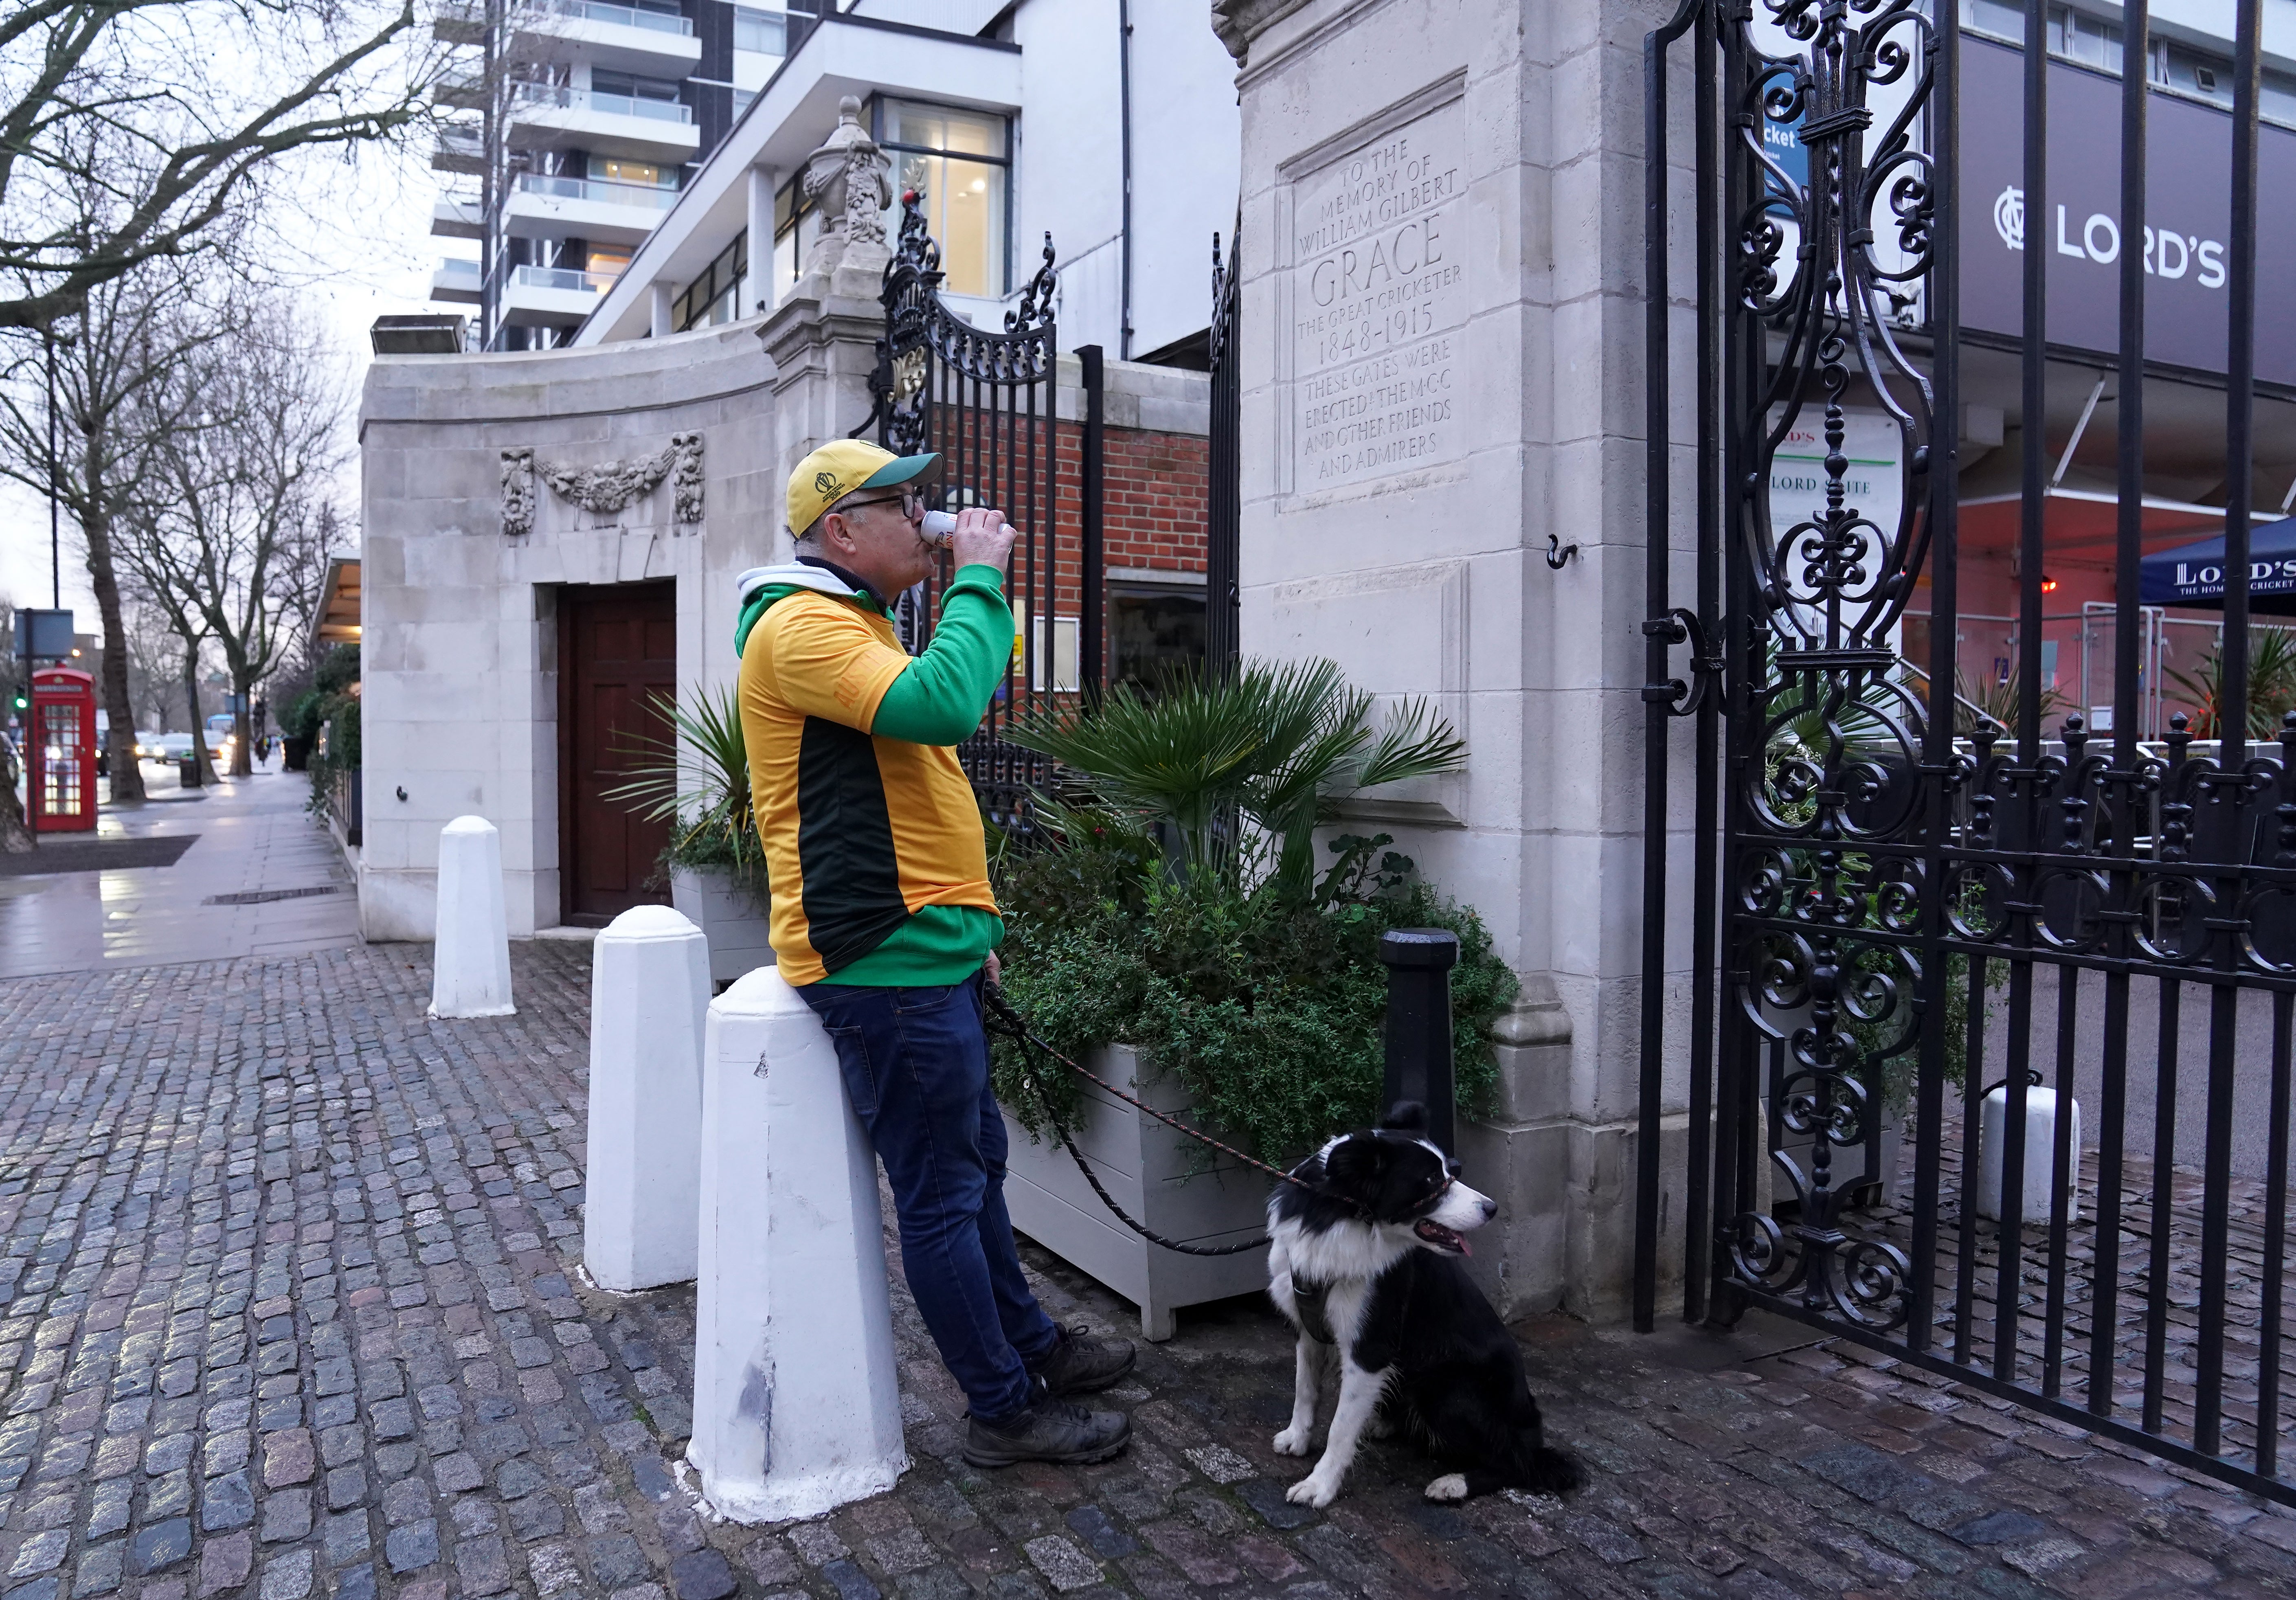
[[606, 487]]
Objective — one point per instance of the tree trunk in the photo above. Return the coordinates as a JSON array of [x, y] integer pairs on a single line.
[[242, 749], [126, 770], [200, 763], [15, 833]]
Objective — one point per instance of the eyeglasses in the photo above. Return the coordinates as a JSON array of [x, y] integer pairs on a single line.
[[911, 501]]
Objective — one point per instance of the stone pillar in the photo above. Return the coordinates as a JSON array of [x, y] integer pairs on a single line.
[[758, 294], [1484, 154], [649, 991], [796, 1405]]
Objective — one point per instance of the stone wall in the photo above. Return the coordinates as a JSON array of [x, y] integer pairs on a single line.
[[1441, 345], [459, 645], [463, 568]]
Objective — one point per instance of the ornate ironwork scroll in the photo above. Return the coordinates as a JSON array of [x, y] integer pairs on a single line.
[[984, 400]]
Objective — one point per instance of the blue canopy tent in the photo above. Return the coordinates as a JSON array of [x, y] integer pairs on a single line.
[[2193, 575]]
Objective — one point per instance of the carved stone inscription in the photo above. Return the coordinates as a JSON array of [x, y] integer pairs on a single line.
[[1378, 297]]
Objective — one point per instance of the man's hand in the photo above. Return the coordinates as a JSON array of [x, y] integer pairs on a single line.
[[981, 537], [993, 968]]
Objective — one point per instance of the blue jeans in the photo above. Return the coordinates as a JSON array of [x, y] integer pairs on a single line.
[[916, 1064]]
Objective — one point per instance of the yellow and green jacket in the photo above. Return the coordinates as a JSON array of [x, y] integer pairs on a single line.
[[873, 839]]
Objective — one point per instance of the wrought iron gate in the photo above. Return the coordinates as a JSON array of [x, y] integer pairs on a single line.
[[987, 402], [1897, 899], [1224, 507]]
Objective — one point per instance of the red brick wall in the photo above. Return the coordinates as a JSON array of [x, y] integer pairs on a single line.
[[1154, 496]]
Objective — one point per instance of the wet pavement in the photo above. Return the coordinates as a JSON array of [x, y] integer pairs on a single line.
[[293, 1311]]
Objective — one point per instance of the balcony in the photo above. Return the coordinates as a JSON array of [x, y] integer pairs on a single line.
[[561, 208], [603, 33], [455, 281], [554, 116], [458, 219], [463, 88], [551, 297], [460, 22], [460, 148]]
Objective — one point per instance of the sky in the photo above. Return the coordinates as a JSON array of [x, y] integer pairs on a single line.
[[355, 245]]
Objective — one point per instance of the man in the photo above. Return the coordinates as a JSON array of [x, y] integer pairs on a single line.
[[882, 916]]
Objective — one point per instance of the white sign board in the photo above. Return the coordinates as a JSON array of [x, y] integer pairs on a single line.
[[1378, 295]]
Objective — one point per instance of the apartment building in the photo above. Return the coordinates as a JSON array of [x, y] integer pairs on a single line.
[[1110, 125], [583, 121]]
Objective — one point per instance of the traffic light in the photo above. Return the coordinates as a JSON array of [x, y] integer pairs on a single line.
[[21, 703]]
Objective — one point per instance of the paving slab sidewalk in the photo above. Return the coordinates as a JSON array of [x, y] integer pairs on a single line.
[[292, 1312]]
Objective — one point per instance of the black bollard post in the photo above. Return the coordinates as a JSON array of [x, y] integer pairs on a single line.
[[1419, 963]]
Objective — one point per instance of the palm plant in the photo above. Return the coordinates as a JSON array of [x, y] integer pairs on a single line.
[[1997, 702], [2271, 684], [1279, 744], [696, 778]]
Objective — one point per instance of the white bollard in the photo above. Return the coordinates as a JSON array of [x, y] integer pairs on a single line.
[[797, 1409], [2040, 1153], [649, 996], [470, 962]]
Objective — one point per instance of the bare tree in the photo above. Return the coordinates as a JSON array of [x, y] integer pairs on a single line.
[[231, 530], [116, 379], [167, 113], [153, 665]]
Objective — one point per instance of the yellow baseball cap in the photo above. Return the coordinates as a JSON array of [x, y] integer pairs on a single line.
[[842, 466]]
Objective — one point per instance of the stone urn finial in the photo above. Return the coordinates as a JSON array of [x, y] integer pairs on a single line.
[[847, 180]]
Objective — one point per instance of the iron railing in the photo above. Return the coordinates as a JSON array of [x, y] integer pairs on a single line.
[[986, 402]]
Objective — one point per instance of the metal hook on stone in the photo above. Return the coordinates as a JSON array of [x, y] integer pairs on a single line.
[[1558, 554]]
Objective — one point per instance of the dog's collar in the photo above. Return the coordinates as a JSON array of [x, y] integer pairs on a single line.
[[1315, 1318]]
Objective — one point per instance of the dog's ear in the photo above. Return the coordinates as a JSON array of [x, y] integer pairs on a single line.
[[1356, 1159], [1405, 1116]]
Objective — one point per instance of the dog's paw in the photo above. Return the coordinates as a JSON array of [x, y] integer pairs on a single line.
[[1291, 1441], [1450, 1486], [1311, 1490]]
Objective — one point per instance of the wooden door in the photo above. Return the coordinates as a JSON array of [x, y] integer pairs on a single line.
[[617, 651]]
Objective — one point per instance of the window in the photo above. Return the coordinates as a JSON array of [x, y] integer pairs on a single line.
[[795, 226], [742, 98], [766, 32], [1154, 634], [620, 169], [715, 296], [961, 163], [610, 262]]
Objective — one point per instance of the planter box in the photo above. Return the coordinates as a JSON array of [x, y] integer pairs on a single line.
[[728, 918], [1146, 1166]]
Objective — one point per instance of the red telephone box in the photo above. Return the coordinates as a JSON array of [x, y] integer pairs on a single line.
[[62, 750]]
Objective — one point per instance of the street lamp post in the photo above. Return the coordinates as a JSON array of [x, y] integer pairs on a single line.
[[55, 523]]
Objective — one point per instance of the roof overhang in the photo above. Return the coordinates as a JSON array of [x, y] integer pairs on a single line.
[[338, 604], [792, 114]]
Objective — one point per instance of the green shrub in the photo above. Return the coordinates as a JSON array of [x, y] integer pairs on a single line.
[[1266, 1003]]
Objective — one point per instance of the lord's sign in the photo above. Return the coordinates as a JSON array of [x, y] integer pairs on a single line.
[[2185, 242]]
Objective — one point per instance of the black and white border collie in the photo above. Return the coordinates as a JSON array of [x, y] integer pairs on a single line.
[[1365, 1266]]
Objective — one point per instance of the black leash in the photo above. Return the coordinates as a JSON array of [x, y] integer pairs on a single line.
[[1001, 1017]]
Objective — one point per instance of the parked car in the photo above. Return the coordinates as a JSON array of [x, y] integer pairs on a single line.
[[165, 747]]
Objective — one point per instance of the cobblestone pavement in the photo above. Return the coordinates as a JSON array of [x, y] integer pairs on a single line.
[[291, 1312]]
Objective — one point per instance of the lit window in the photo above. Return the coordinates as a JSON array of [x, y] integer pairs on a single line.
[[611, 262], [960, 163], [619, 170]]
